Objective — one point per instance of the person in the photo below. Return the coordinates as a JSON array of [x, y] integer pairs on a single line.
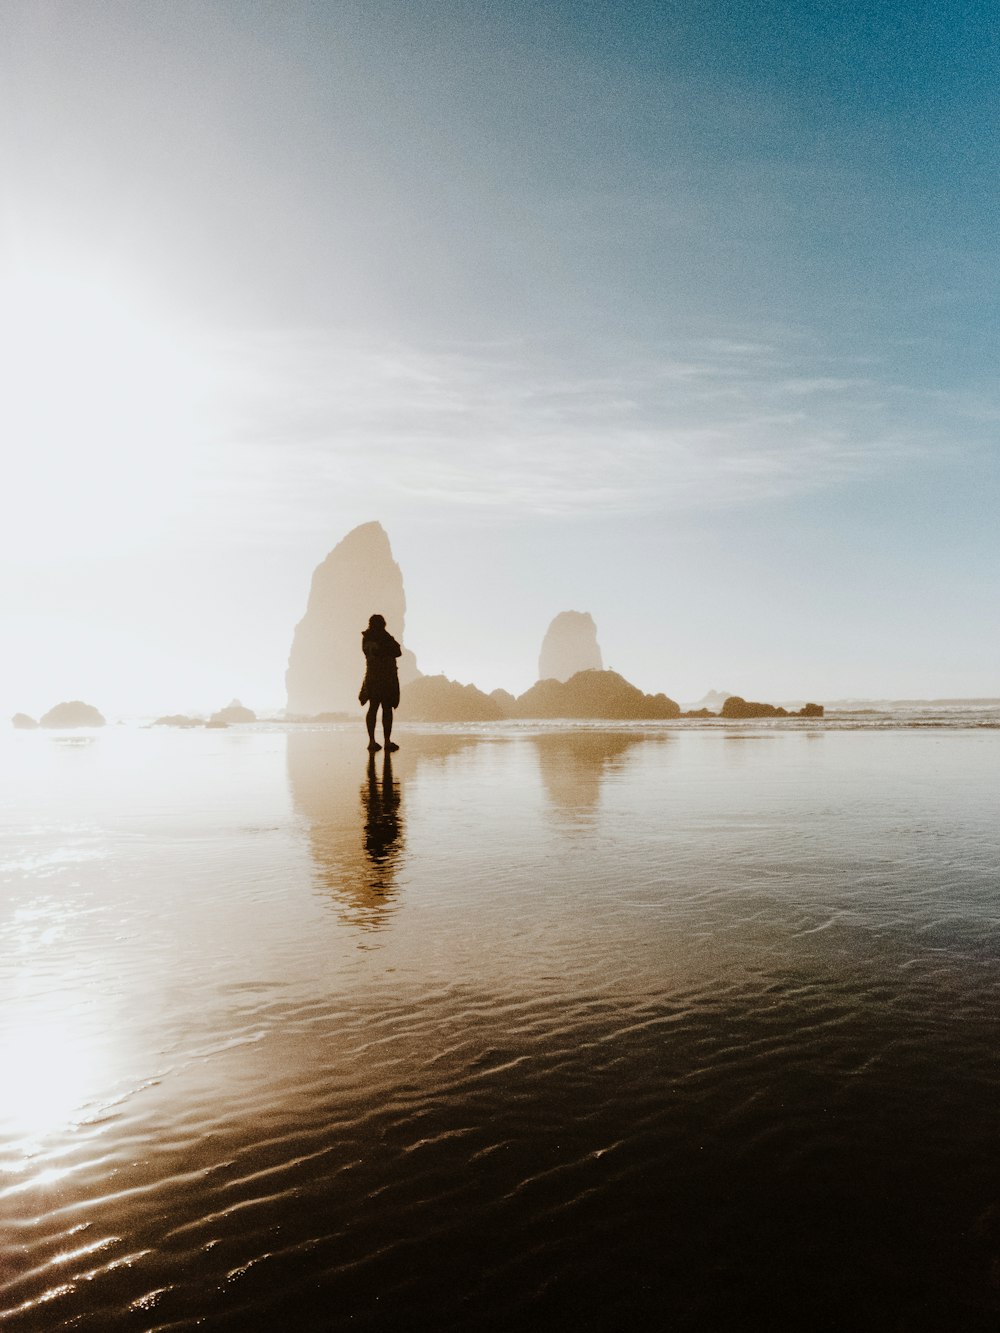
[[381, 684]]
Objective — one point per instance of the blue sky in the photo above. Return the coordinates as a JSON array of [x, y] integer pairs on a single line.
[[682, 314]]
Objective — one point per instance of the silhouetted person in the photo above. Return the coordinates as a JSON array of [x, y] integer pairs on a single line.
[[381, 684]]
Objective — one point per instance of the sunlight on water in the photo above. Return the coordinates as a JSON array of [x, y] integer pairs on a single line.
[[552, 1026], [50, 1073]]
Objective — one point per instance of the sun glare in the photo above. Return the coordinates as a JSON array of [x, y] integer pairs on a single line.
[[96, 413], [51, 1073]]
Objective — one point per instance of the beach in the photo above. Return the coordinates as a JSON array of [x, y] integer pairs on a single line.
[[548, 1026]]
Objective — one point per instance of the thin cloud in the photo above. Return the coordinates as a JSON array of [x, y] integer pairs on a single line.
[[301, 420]]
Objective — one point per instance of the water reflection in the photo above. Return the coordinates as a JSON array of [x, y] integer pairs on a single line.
[[353, 803], [574, 765], [380, 797]]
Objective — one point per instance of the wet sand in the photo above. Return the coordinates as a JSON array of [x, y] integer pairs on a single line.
[[558, 1027]]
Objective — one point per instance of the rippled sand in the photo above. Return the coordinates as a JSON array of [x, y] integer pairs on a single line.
[[693, 1028]]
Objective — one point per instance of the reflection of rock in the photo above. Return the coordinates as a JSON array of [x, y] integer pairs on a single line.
[[358, 578], [570, 645], [574, 764], [594, 694], [233, 712], [352, 804], [437, 699], [73, 714], [743, 708], [23, 722]]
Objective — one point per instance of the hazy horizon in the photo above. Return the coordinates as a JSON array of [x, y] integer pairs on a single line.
[[681, 317]]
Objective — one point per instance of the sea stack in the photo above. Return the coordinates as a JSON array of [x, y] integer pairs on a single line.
[[569, 646], [358, 578]]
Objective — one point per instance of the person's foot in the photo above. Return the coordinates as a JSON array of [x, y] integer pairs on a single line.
[[391, 745], [373, 746]]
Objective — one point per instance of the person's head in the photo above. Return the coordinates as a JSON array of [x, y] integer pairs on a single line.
[[376, 623]]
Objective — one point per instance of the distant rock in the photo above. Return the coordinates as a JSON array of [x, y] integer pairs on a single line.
[[714, 700], [325, 666], [23, 722], [178, 720], [570, 646], [594, 694], [699, 712], [233, 712], [737, 707], [437, 699], [505, 701], [73, 714]]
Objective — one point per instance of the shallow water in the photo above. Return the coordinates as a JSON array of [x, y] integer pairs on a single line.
[[696, 1026]]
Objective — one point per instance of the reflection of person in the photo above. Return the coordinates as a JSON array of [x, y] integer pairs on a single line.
[[381, 684], [381, 818]]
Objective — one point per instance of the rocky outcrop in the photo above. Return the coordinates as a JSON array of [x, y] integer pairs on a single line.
[[594, 694], [737, 707], [438, 699], [73, 714], [181, 720], [358, 578], [234, 711], [713, 700], [23, 722], [570, 645]]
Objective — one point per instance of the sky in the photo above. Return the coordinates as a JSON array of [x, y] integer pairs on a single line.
[[683, 314]]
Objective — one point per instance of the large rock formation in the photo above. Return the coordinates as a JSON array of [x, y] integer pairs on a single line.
[[594, 694], [570, 645], [73, 714], [357, 578], [588, 694]]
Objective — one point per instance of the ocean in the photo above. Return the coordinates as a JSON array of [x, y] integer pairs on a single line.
[[688, 1025]]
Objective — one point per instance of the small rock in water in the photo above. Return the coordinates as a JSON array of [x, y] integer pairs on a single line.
[[73, 714], [233, 712]]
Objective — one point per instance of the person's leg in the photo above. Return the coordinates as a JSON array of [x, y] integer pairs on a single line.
[[370, 723], [387, 727]]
